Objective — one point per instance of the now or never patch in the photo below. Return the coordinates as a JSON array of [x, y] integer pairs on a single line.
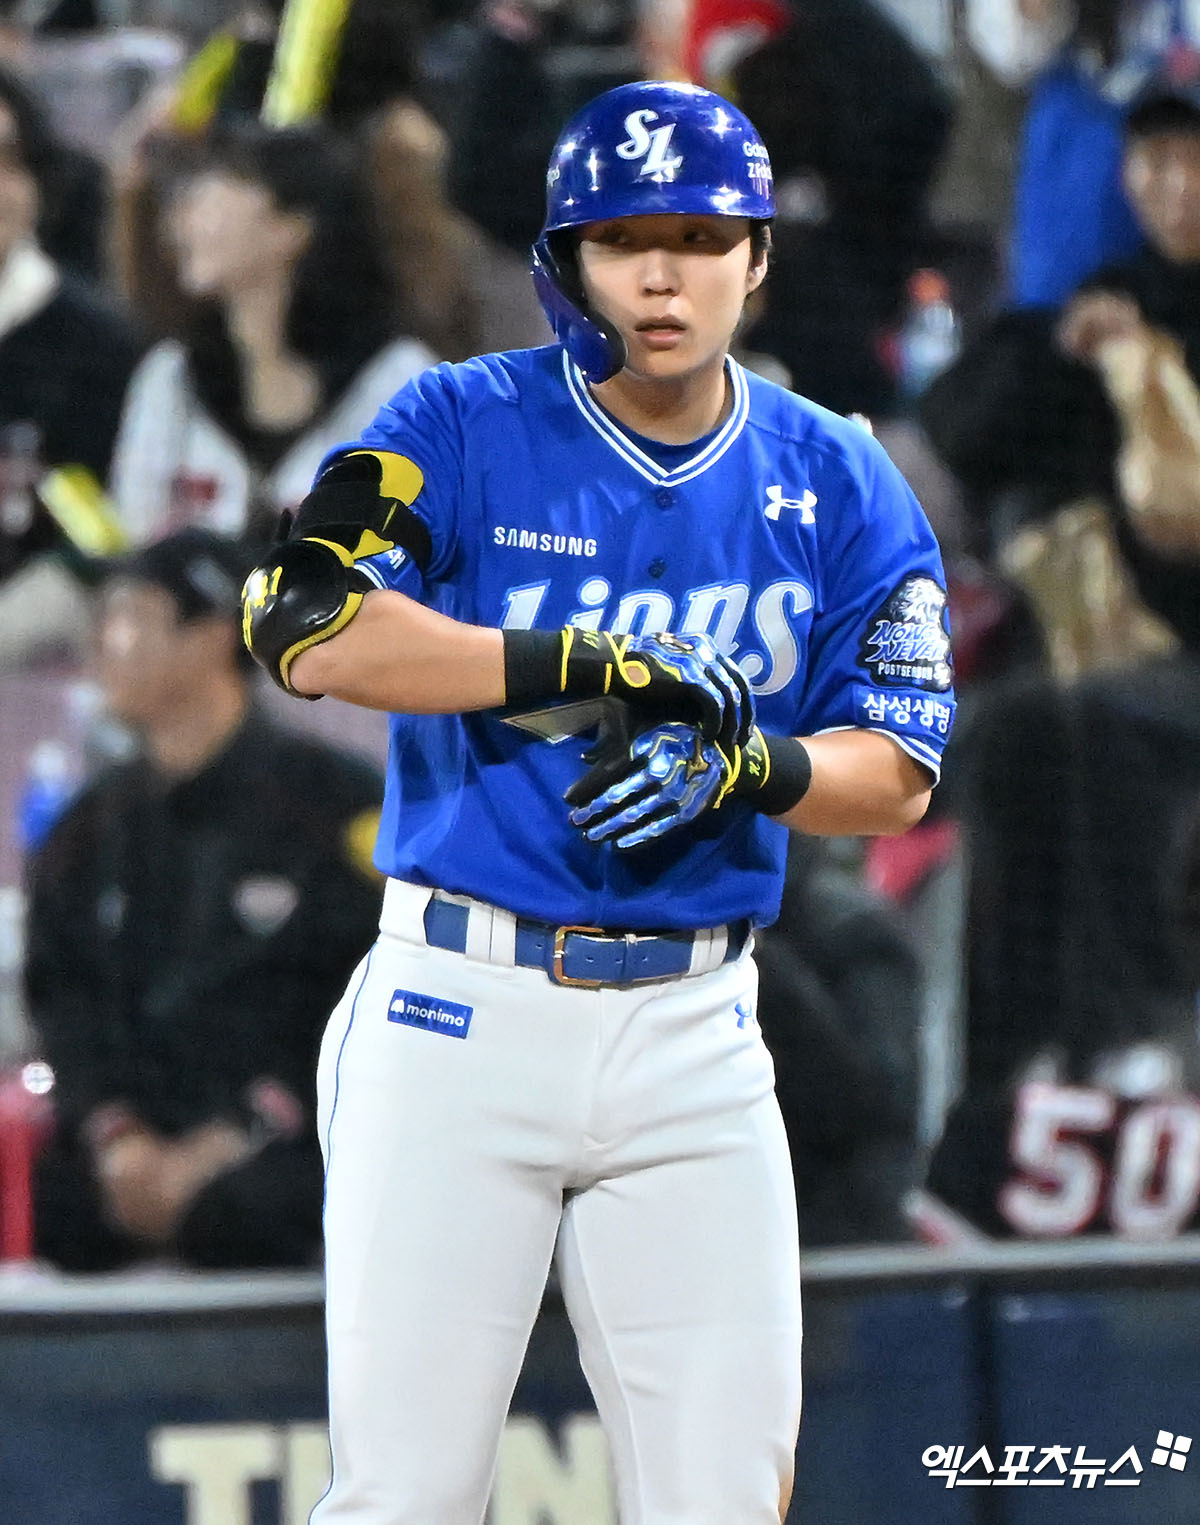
[[412, 1009], [907, 640]]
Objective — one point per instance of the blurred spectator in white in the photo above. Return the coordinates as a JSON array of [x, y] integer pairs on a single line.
[[450, 286], [65, 362], [287, 346]]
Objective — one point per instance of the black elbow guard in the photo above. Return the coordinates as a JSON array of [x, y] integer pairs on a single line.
[[361, 503], [302, 594]]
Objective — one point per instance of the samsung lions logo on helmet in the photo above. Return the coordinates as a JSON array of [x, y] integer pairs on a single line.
[[651, 147], [907, 642]]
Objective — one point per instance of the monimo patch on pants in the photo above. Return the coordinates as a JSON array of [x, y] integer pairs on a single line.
[[427, 1011]]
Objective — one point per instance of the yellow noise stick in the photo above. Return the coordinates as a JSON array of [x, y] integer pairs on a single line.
[[310, 33]]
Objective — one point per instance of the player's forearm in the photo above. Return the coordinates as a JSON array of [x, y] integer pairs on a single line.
[[863, 784], [396, 654]]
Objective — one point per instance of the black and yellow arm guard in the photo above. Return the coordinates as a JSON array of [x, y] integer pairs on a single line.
[[363, 504], [302, 594]]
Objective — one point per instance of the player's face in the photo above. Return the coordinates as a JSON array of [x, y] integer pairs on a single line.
[[145, 655], [229, 235], [1162, 177], [673, 284]]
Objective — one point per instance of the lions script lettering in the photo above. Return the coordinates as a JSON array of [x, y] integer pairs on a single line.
[[412, 1009]]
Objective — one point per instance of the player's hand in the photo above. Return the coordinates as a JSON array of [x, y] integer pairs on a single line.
[[662, 677], [670, 774], [676, 678], [640, 790], [147, 1181], [1094, 319]]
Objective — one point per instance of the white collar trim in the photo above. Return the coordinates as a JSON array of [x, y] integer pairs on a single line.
[[632, 453]]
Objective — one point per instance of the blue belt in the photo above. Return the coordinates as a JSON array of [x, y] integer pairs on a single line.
[[587, 956]]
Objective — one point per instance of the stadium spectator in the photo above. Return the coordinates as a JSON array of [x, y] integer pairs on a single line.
[[89, 62], [1075, 434], [287, 346], [65, 361], [191, 917], [1071, 216], [450, 285], [1081, 1009], [72, 189], [971, 200], [856, 120], [64, 358], [839, 1006], [1083, 1071], [502, 65]]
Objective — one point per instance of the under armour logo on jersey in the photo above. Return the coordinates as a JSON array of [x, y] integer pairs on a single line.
[[652, 147], [804, 506]]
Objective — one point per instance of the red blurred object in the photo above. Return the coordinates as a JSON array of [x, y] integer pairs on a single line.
[[897, 866], [26, 1120], [718, 34], [982, 610]]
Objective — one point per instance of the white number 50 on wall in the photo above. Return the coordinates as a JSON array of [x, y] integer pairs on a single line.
[[1144, 1177]]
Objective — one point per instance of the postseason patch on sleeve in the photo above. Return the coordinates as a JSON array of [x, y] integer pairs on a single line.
[[411, 1009], [907, 639]]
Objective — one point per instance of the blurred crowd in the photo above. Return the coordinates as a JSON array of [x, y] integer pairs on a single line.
[[988, 247]]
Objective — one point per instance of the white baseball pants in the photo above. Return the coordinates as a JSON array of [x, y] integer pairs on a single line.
[[633, 1136]]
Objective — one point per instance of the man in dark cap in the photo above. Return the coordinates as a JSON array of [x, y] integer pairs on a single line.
[[191, 918]]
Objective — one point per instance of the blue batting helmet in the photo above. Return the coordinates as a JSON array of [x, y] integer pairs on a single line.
[[654, 146]]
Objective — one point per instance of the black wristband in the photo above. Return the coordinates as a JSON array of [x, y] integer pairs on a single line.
[[533, 663], [776, 772]]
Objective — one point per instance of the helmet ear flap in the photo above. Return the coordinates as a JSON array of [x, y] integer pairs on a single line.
[[593, 343]]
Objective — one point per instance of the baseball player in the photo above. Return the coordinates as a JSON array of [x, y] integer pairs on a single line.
[[551, 1052]]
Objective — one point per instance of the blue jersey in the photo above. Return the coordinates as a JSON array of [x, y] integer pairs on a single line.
[[787, 535]]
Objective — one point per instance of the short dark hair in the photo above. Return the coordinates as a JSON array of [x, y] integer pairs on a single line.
[[202, 571], [760, 238], [1163, 106]]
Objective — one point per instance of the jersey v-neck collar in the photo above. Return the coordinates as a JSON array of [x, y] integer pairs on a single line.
[[632, 453]]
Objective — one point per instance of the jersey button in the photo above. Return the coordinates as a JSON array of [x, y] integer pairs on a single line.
[[657, 567], [665, 497]]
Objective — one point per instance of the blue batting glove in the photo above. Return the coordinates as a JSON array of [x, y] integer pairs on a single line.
[[664, 778]]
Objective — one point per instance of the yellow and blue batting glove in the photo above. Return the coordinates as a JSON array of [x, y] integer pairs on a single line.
[[663, 677], [670, 775], [664, 778]]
